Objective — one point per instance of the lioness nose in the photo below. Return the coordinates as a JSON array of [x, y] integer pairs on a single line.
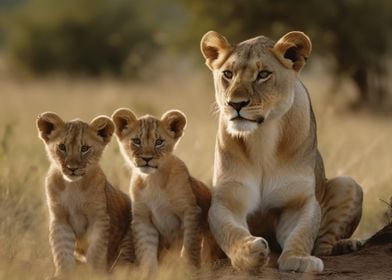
[[147, 159], [238, 105]]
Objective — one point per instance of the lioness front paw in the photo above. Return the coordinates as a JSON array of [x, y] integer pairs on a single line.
[[250, 254], [300, 264]]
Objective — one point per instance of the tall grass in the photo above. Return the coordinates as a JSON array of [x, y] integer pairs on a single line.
[[352, 144]]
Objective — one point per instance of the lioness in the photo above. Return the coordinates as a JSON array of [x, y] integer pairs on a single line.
[[269, 178]]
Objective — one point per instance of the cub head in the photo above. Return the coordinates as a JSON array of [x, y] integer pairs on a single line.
[[254, 80], [147, 141], [74, 146]]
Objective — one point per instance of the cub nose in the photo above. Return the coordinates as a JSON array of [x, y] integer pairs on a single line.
[[238, 105], [147, 159], [72, 168]]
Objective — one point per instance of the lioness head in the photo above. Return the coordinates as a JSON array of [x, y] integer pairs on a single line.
[[147, 141], [74, 146], [254, 80]]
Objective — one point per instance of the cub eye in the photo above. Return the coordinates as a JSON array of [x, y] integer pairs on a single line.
[[159, 142], [84, 149], [228, 74], [263, 75], [61, 147], [136, 141]]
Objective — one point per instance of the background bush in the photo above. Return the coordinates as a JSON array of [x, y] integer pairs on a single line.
[[83, 36], [118, 37]]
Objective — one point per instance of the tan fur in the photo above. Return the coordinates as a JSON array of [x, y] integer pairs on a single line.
[[88, 217], [269, 179], [169, 205]]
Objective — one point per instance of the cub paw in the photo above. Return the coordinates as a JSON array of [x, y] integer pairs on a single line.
[[250, 254], [300, 264], [345, 246]]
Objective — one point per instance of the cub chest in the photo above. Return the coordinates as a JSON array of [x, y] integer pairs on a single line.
[[76, 203], [166, 221]]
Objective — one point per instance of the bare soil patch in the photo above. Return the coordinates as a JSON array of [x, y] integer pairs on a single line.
[[373, 261]]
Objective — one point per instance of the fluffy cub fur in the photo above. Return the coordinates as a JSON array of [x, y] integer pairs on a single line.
[[168, 205], [269, 180], [88, 217]]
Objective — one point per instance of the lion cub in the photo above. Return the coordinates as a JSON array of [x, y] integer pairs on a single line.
[[88, 217], [167, 203]]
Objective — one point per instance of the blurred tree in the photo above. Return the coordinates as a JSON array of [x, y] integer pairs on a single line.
[[356, 33], [83, 36]]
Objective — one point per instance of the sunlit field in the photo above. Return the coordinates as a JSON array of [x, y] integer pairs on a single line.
[[354, 144]]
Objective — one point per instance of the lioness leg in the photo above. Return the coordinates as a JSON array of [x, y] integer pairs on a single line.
[[296, 232], [341, 210], [227, 219]]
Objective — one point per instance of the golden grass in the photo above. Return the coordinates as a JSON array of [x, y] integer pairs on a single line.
[[354, 144]]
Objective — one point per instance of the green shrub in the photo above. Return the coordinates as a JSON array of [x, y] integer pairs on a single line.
[[82, 36]]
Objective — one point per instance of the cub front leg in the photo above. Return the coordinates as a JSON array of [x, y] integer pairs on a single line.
[[231, 202], [97, 251], [296, 232], [191, 249], [146, 238], [62, 243]]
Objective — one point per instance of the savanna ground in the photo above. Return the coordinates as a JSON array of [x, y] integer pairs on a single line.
[[356, 144]]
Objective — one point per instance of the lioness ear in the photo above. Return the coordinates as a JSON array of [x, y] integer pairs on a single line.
[[48, 125], [123, 119], [214, 48], [174, 121], [293, 49], [104, 128]]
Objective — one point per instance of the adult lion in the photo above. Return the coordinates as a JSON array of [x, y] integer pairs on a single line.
[[269, 178]]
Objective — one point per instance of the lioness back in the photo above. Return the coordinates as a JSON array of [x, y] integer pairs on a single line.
[[88, 217]]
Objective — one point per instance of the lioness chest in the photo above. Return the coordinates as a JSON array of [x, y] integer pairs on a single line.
[[280, 188], [272, 193]]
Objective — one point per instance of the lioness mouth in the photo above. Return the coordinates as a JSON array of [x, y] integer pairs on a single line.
[[147, 165], [258, 120]]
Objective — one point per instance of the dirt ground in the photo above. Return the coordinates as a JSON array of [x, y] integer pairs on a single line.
[[373, 261]]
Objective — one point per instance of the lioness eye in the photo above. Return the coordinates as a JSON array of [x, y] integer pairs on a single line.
[[61, 147], [85, 149], [228, 74], [263, 75], [136, 141], [159, 142]]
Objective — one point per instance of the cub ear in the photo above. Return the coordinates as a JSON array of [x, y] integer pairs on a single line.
[[215, 48], [104, 128], [123, 119], [49, 125], [293, 49], [174, 121]]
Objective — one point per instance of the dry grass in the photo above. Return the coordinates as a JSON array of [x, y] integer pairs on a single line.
[[358, 145]]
